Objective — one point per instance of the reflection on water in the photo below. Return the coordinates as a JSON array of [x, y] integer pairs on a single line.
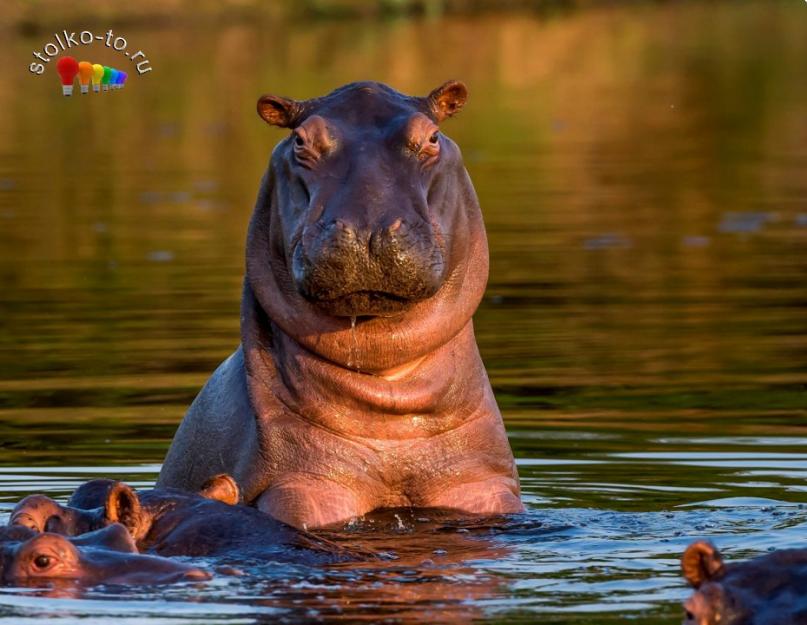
[[641, 171]]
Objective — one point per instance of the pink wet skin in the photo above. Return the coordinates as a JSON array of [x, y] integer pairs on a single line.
[[358, 384], [107, 556]]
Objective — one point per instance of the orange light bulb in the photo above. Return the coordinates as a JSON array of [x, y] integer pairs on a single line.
[[84, 76]]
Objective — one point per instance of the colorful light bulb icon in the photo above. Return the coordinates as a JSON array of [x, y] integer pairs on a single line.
[[105, 78], [97, 75], [85, 76], [122, 79], [67, 67], [113, 78]]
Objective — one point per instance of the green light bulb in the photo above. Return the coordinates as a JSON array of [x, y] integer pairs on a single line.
[[106, 77]]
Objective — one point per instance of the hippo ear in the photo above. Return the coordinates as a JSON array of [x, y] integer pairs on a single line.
[[91, 494], [123, 506], [278, 111], [447, 99], [222, 488], [701, 562]]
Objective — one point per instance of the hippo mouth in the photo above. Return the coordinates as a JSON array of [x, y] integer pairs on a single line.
[[361, 287], [345, 279], [364, 304]]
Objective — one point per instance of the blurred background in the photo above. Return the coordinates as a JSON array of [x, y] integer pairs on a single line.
[[641, 168]]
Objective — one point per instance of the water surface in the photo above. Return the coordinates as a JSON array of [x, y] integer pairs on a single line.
[[641, 171]]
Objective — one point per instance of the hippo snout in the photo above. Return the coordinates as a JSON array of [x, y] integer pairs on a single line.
[[351, 271]]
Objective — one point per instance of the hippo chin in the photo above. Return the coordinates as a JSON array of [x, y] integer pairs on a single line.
[[769, 590], [105, 556], [358, 383]]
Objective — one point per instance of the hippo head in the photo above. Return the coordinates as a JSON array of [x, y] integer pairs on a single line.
[[99, 503], [703, 567], [120, 503], [42, 514], [769, 590], [107, 502], [103, 556], [362, 182], [367, 238]]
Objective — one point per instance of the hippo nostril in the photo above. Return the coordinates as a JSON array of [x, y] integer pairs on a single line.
[[54, 525], [340, 232], [399, 229]]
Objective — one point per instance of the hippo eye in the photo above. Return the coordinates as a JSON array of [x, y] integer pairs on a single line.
[[434, 138], [42, 562]]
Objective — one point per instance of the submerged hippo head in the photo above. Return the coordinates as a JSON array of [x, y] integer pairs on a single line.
[[104, 556], [365, 187], [770, 590], [98, 503], [122, 504]]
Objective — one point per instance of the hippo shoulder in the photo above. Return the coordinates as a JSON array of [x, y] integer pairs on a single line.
[[225, 393], [217, 424]]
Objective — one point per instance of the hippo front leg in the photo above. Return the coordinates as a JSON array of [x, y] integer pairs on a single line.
[[495, 495], [306, 502]]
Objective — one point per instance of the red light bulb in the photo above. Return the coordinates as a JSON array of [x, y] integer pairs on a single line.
[[67, 67]]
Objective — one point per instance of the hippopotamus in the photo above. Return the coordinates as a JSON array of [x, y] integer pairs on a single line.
[[171, 522], [97, 503], [358, 384], [107, 556], [769, 590]]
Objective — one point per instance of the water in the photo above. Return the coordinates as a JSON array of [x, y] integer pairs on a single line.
[[641, 171]]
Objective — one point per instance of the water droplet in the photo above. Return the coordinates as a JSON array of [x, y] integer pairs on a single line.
[[353, 359]]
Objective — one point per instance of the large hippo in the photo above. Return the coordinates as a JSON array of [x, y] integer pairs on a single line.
[[770, 590], [105, 556], [358, 383], [171, 522]]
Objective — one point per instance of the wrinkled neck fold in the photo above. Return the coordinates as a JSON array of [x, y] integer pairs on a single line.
[[282, 374]]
